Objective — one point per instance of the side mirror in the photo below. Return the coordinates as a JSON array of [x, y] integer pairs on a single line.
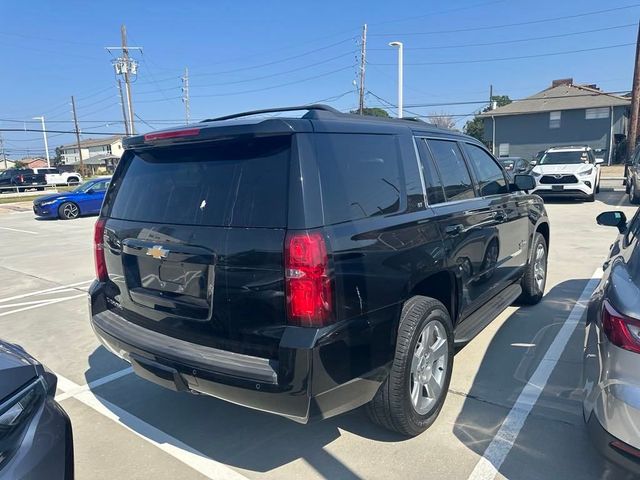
[[533, 163], [599, 161], [613, 219], [90, 191], [523, 182]]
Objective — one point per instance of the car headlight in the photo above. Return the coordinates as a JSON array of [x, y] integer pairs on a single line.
[[584, 173], [15, 414], [50, 202]]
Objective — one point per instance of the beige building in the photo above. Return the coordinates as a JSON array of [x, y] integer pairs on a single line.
[[95, 151]]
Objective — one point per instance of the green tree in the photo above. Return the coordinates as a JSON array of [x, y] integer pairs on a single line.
[[475, 127], [374, 112], [20, 164], [57, 160]]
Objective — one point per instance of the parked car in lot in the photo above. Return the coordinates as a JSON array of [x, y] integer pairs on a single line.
[[612, 349], [307, 266], [514, 165], [35, 432], [21, 179], [568, 172], [86, 199], [55, 177]]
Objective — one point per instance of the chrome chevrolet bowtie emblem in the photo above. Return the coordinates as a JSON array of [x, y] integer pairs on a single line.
[[157, 252]]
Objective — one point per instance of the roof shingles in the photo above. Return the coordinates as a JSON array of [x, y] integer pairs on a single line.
[[561, 97]]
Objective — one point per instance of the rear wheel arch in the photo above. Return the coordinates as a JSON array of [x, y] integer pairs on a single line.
[[441, 286], [543, 229]]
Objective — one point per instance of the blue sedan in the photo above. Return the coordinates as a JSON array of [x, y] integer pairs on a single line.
[[86, 199]]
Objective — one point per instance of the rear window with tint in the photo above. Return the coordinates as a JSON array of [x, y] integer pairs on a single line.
[[360, 176], [239, 183]]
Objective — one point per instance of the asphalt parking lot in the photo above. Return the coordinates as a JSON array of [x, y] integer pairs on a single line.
[[514, 403]]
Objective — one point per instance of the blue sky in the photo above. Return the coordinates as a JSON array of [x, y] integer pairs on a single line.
[[247, 54]]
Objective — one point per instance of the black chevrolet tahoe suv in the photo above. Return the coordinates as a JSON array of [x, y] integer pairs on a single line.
[[308, 266]]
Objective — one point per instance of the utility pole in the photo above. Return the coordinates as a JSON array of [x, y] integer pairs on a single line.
[[363, 63], [126, 67], [635, 101], [4, 157], [127, 80], [493, 121], [44, 133], [185, 95], [75, 121], [124, 112]]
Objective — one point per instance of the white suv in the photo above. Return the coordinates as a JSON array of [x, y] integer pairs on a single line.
[[568, 171]]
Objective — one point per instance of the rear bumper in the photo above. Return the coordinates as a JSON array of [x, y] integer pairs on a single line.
[[297, 386], [603, 441]]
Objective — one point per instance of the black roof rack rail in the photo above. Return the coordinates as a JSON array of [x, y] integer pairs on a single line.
[[325, 108]]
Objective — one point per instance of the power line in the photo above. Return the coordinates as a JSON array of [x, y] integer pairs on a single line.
[[507, 25], [520, 57], [39, 130], [520, 40], [439, 12], [256, 90], [267, 64]]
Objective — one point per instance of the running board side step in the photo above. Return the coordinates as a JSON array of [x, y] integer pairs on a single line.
[[478, 320]]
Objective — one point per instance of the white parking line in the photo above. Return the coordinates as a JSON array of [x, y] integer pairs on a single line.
[[165, 442], [18, 230], [70, 391], [44, 303], [495, 454], [59, 289]]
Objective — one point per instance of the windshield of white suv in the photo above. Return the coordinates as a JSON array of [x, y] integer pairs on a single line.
[[563, 158]]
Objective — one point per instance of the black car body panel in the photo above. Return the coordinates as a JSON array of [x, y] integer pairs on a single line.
[[186, 286], [21, 177], [40, 444]]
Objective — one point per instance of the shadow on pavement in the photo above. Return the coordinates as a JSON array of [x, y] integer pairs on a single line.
[[231, 434], [553, 442]]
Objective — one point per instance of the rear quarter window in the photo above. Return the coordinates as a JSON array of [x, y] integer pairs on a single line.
[[238, 183], [361, 176]]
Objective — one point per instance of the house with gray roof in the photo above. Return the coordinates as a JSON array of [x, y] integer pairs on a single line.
[[563, 114]]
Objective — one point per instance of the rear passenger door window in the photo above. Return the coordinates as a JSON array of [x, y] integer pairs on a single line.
[[433, 183], [453, 170], [489, 175], [361, 176]]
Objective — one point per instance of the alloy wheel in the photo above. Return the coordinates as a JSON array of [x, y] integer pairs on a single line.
[[428, 367], [70, 210], [540, 267]]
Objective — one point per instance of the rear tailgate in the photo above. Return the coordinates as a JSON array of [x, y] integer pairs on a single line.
[[194, 242]]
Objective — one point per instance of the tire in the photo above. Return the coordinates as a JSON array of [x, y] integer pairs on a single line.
[[73, 181], [598, 186], [534, 280], [633, 194], [423, 320], [68, 211]]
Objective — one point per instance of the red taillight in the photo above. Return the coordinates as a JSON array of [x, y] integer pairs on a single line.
[[188, 132], [622, 331], [309, 298], [623, 447], [98, 250]]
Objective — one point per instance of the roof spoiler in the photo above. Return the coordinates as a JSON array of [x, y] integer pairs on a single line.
[[311, 110]]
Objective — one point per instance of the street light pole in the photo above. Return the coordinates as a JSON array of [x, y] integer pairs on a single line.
[[44, 133], [400, 73]]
